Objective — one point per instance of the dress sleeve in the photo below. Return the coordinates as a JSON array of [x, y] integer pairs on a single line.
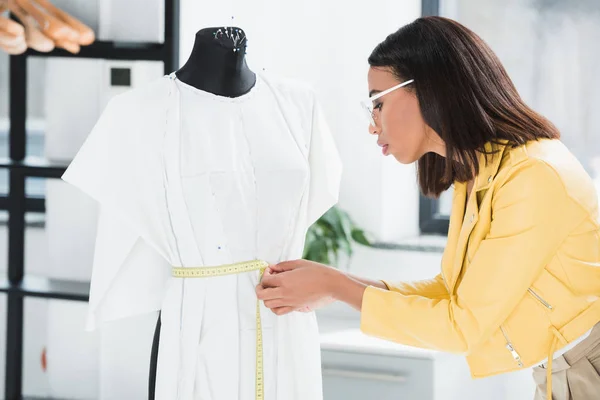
[[116, 169], [107, 164], [325, 166], [127, 274]]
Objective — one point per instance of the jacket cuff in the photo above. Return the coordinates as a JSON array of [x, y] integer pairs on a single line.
[[373, 305]]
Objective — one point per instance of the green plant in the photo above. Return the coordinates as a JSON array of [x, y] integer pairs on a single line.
[[331, 234]]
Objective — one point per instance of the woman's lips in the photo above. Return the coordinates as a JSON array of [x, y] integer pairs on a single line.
[[384, 148]]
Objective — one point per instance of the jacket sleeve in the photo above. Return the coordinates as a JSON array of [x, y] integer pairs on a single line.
[[525, 232], [431, 288]]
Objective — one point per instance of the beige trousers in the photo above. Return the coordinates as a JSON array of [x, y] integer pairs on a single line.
[[575, 374]]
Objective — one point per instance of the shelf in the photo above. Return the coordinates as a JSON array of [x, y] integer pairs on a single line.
[[35, 167], [32, 204], [38, 167], [110, 51], [41, 398], [48, 288]]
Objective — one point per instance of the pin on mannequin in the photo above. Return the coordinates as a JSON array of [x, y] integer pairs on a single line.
[[217, 63]]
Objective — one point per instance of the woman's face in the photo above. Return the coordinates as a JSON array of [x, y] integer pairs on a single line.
[[399, 125]]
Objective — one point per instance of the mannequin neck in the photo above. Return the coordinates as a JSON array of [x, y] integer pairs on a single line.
[[217, 63]]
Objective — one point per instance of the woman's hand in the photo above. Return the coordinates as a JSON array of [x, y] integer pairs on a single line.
[[298, 285]]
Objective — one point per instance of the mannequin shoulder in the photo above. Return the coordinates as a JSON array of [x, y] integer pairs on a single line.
[[293, 89]]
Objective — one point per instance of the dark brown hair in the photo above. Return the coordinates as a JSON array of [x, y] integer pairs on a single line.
[[464, 93]]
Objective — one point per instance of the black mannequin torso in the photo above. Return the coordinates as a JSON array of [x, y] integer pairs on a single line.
[[217, 63]]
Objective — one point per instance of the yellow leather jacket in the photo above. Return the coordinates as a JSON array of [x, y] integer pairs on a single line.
[[521, 271]]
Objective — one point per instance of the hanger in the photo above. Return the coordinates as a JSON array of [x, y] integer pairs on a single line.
[[43, 27], [12, 34], [86, 34], [34, 37], [49, 24]]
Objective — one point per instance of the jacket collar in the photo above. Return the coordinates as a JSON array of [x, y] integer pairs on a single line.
[[465, 216], [489, 166]]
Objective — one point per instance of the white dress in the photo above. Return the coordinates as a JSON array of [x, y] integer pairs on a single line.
[[187, 178]]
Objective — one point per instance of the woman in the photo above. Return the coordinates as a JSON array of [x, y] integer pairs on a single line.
[[520, 279]]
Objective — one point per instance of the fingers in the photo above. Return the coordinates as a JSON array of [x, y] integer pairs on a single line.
[[272, 299], [272, 304], [269, 280], [285, 266], [279, 307], [268, 293], [283, 310]]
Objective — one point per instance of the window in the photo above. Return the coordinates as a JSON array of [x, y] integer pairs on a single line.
[[551, 57], [434, 214]]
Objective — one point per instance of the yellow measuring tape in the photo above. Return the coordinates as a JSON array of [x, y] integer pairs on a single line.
[[233, 269]]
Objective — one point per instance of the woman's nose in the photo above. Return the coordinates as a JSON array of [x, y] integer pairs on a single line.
[[372, 129]]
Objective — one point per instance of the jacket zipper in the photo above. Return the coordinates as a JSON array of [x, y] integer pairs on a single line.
[[511, 348], [537, 296]]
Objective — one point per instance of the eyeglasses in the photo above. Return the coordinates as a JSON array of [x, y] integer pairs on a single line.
[[367, 105]]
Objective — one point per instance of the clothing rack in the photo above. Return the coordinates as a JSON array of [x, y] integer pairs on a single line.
[[16, 285]]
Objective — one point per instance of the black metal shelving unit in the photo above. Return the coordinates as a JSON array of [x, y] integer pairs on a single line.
[[16, 285]]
